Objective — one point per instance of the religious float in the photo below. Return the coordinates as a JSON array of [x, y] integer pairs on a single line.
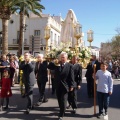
[[70, 41]]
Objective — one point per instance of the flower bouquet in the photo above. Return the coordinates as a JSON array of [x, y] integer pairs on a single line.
[[83, 53], [56, 50], [84, 56]]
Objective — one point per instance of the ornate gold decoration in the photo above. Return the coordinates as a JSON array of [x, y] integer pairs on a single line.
[[47, 36], [90, 36], [77, 32]]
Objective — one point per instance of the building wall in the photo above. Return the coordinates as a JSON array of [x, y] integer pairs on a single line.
[[33, 23], [95, 51]]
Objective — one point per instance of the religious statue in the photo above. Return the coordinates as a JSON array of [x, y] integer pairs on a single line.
[[67, 32]]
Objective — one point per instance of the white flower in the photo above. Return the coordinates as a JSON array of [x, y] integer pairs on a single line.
[[67, 49], [86, 54], [86, 48], [80, 54]]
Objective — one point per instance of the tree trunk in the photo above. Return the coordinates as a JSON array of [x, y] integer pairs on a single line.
[[4, 36], [21, 37]]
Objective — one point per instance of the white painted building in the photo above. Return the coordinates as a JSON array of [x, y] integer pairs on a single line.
[[95, 51], [35, 25]]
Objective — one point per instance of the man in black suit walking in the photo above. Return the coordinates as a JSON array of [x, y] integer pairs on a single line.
[[28, 79], [89, 79], [95, 61], [64, 81], [72, 95], [41, 73], [89, 75]]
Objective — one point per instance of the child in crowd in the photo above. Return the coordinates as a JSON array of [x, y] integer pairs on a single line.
[[104, 88], [5, 89]]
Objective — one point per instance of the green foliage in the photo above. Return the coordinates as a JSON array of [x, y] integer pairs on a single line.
[[33, 6], [11, 4]]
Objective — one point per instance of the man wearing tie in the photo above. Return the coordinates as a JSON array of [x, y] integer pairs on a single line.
[[64, 81], [28, 79], [41, 73]]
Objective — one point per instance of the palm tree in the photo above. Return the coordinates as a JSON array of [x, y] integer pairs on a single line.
[[7, 7], [25, 8]]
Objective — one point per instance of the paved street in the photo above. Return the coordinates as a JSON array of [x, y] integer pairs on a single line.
[[49, 110]]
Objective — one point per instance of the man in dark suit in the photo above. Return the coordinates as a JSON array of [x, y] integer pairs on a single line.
[[28, 79], [89, 79], [72, 95], [41, 73], [90, 73], [64, 81], [95, 62]]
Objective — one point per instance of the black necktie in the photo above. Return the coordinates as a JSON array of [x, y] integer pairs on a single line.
[[62, 66]]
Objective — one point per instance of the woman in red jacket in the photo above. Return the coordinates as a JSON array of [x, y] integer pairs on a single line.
[[5, 89]]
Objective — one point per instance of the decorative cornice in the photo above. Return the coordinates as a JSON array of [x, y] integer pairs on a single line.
[[55, 28]]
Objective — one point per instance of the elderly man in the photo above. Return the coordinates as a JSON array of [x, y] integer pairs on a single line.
[[41, 73], [28, 67], [64, 81]]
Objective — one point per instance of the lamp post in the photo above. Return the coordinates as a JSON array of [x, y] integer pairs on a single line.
[[90, 36], [77, 32], [90, 39], [0, 42], [47, 36], [77, 35]]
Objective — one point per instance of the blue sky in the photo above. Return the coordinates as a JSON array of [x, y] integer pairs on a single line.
[[102, 16]]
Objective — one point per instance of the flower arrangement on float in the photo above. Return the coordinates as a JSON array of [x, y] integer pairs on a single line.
[[83, 53], [84, 56], [56, 50]]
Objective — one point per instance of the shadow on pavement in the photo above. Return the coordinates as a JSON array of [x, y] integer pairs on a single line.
[[115, 97]]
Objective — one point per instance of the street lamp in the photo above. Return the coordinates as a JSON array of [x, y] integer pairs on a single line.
[[77, 32], [90, 36], [47, 36], [0, 42], [77, 35]]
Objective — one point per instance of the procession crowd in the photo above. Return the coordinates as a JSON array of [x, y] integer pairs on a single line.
[[66, 78]]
